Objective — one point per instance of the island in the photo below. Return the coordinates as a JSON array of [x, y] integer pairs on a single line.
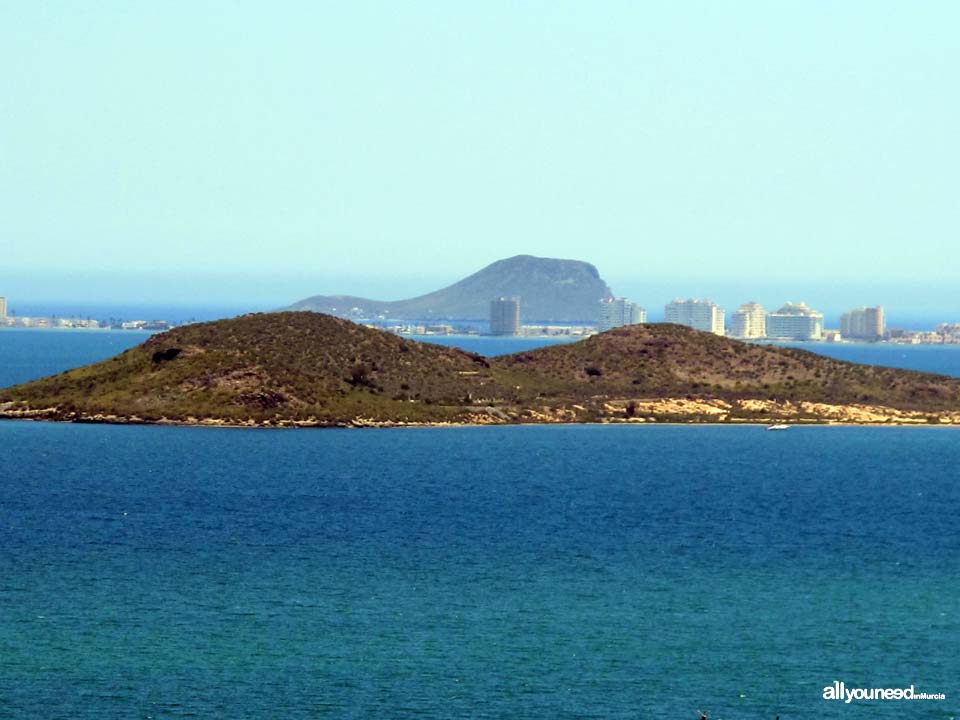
[[306, 369]]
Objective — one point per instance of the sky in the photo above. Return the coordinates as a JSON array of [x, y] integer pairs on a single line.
[[249, 154]]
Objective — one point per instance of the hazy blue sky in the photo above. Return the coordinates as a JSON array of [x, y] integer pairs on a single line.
[[258, 152]]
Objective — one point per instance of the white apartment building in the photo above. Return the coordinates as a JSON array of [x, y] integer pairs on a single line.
[[617, 312], [863, 323], [749, 321], [795, 322], [698, 314]]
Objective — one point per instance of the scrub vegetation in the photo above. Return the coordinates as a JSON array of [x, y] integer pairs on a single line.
[[314, 369]]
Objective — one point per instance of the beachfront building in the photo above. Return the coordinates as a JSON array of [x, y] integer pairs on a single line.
[[698, 314], [505, 316], [617, 312], [795, 322], [749, 322], [3, 308], [863, 323]]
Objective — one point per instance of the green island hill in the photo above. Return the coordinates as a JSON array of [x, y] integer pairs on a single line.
[[306, 369]]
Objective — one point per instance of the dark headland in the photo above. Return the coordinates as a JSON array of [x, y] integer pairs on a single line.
[[309, 369], [550, 289]]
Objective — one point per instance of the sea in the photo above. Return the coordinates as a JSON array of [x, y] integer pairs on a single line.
[[491, 572]]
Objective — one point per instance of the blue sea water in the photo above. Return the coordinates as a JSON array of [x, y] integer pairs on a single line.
[[27, 353], [491, 345], [501, 572], [517, 572]]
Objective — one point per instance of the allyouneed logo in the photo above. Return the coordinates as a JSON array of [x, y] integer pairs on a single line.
[[840, 691]]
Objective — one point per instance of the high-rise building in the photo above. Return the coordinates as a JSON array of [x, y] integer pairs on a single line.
[[3, 308], [505, 316], [616, 312], [863, 323], [698, 314], [795, 322], [749, 321], [876, 322]]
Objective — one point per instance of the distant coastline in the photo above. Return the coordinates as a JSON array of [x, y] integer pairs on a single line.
[[575, 333], [455, 330]]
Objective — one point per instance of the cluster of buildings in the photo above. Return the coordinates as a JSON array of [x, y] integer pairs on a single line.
[[80, 323], [22, 321], [49, 322], [614, 312], [424, 329], [791, 321], [944, 334], [751, 321], [42, 322], [145, 325]]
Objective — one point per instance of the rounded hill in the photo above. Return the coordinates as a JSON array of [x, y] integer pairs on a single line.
[[313, 369], [664, 359], [549, 289]]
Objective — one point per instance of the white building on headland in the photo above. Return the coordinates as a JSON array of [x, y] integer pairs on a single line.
[[699, 314], [617, 312], [795, 322], [749, 321], [3, 308], [863, 323]]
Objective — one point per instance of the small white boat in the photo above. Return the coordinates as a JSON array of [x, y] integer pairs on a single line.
[[778, 427]]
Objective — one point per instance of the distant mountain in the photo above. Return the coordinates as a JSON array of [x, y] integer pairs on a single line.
[[550, 290]]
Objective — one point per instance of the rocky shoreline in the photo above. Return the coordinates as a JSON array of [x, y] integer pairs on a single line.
[[685, 411]]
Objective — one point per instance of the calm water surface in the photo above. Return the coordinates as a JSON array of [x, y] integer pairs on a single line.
[[524, 572], [28, 354], [520, 572]]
